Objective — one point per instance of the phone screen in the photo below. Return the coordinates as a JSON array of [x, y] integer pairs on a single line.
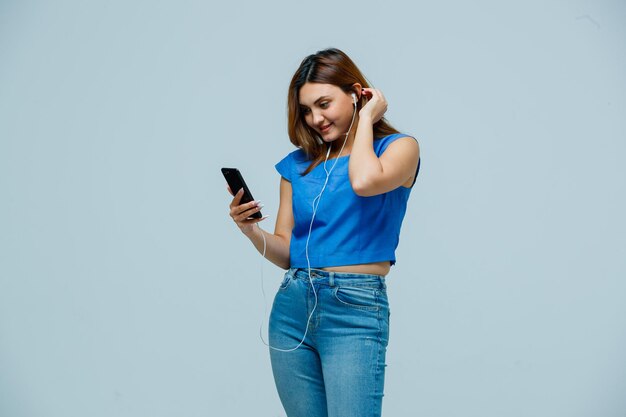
[[235, 182]]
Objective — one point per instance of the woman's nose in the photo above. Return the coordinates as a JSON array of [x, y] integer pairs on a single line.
[[317, 117]]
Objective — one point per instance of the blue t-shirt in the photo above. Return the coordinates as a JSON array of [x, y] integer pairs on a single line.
[[348, 229]]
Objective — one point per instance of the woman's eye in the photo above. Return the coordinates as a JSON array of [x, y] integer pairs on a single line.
[[305, 110], [324, 105]]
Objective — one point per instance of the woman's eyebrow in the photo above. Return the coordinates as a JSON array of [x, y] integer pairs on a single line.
[[321, 98]]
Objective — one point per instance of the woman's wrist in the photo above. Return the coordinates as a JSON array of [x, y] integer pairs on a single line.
[[252, 232], [365, 119]]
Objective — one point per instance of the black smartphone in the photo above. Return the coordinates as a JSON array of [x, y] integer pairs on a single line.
[[235, 182]]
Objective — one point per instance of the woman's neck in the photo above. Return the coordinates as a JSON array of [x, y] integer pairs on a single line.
[[338, 143]]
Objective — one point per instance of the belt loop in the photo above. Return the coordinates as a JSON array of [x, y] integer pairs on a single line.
[[331, 279]]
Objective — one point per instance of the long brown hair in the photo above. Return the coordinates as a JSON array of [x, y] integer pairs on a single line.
[[329, 66]]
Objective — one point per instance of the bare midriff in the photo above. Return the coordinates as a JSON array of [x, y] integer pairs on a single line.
[[376, 268]]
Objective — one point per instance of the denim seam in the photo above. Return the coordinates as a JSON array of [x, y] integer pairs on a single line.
[[314, 315], [375, 307], [380, 346], [372, 286], [286, 283], [339, 275]]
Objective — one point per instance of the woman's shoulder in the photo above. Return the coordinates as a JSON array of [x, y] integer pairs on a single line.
[[381, 143], [297, 156], [294, 162]]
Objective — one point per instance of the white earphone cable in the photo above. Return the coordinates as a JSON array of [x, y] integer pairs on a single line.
[[306, 248]]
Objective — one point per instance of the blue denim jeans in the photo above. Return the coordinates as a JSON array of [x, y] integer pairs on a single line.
[[339, 370]]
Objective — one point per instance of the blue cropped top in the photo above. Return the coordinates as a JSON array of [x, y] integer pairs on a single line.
[[348, 229]]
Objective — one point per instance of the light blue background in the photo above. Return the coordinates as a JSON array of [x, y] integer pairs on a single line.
[[126, 290]]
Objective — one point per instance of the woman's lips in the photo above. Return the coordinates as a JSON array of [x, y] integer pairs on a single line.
[[325, 128]]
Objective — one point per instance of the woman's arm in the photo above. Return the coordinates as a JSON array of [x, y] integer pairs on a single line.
[[370, 175], [277, 250]]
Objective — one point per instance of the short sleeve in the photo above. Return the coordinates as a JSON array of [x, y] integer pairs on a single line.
[[285, 167], [384, 142]]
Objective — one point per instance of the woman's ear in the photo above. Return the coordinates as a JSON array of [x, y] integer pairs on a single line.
[[358, 89]]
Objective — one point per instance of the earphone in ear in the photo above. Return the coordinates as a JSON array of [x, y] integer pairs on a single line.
[[354, 99]]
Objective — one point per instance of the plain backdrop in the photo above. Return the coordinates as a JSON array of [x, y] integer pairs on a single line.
[[127, 290]]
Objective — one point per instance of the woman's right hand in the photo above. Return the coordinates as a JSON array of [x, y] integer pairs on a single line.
[[240, 213]]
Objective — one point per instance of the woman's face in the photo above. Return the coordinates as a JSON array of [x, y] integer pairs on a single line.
[[327, 109]]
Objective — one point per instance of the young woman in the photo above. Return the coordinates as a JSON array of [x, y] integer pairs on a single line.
[[343, 196]]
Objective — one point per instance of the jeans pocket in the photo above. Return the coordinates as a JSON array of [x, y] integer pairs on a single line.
[[286, 281], [363, 298]]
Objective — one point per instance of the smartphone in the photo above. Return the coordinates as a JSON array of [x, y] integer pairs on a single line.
[[235, 182]]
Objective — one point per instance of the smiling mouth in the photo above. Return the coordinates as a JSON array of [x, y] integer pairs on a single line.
[[325, 128]]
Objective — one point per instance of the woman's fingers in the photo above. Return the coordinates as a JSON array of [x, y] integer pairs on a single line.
[[376, 105], [246, 214], [243, 211], [378, 95], [237, 198], [253, 221], [382, 96], [374, 92]]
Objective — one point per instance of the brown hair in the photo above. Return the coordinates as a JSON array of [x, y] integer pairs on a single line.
[[329, 66]]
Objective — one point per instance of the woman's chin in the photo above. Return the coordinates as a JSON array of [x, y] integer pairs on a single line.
[[329, 138]]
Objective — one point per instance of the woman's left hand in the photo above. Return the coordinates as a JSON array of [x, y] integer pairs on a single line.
[[376, 105]]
